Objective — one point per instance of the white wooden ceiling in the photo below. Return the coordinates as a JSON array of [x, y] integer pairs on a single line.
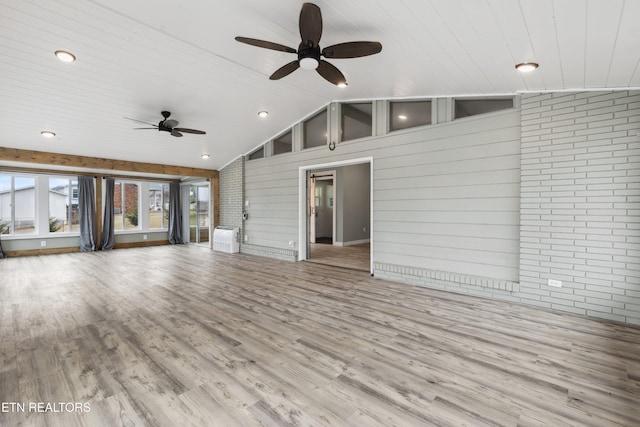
[[137, 58]]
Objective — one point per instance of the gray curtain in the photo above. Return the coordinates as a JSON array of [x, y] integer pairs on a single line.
[[2, 254], [87, 212], [108, 240], [175, 214], [185, 200]]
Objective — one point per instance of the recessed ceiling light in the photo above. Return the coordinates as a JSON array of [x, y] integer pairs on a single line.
[[65, 56], [205, 156], [263, 114], [526, 67], [402, 117], [47, 134], [342, 84]]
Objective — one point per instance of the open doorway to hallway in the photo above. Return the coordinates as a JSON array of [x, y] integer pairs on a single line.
[[322, 215], [337, 226]]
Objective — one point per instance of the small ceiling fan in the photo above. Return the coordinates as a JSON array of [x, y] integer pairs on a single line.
[[309, 51], [168, 125]]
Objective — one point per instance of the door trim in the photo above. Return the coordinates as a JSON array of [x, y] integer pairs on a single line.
[[303, 232]]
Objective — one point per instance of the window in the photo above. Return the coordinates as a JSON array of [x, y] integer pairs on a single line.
[[158, 205], [125, 206], [356, 120], [283, 144], [258, 154], [409, 114], [472, 107], [63, 205], [315, 130], [17, 204]]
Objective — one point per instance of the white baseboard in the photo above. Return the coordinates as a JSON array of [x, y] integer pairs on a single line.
[[353, 242]]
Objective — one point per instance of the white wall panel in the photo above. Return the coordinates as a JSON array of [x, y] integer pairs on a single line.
[[446, 196]]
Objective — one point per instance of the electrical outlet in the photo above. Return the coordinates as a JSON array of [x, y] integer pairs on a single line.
[[246, 238], [554, 283], [364, 229], [43, 243], [144, 237]]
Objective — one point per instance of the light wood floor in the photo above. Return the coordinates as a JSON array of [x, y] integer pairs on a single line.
[[177, 336], [356, 257]]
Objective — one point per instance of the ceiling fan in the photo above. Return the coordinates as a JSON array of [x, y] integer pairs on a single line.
[[309, 51], [168, 125]]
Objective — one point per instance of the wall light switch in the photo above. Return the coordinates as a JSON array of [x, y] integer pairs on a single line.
[[554, 283], [292, 243]]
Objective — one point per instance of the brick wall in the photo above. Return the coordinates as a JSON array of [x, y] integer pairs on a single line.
[[580, 203], [130, 196], [232, 194]]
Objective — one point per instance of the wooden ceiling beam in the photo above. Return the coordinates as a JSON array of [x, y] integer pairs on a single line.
[[97, 163]]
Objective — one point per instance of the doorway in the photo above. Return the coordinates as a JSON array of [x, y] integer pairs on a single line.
[[322, 218], [199, 218], [336, 215]]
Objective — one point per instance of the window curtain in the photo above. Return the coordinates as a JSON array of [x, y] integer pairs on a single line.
[[87, 213], [185, 192], [108, 239], [175, 214]]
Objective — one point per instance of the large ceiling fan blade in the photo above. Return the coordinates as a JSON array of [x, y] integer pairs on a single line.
[[170, 123], [285, 70], [140, 121], [310, 23], [331, 73], [265, 44], [185, 130], [175, 133], [155, 128], [351, 50]]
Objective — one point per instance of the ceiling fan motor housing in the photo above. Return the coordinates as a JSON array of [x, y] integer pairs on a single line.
[[161, 126], [309, 55]]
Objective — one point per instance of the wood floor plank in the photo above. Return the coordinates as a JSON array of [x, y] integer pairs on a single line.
[[181, 335], [356, 257]]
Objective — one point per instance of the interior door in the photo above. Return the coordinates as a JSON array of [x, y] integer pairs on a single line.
[[312, 210], [324, 209]]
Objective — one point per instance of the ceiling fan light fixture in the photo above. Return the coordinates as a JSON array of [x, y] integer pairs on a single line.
[[205, 156], [65, 56], [309, 63], [263, 114], [47, 134], [309, 50], [342, 85], [526, 67], [402, 117]]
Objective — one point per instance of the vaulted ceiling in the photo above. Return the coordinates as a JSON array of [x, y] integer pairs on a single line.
[[136, 58]]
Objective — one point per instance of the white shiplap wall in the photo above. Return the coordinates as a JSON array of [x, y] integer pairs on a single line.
[[445, 198]]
